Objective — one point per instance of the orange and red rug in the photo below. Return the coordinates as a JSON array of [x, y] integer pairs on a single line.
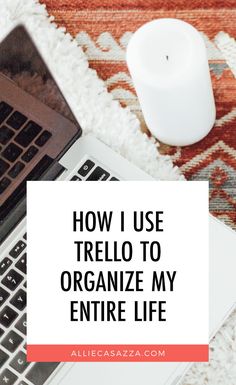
[[103, 28]]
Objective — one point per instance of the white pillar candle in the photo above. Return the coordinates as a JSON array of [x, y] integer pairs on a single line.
[[168, 63]]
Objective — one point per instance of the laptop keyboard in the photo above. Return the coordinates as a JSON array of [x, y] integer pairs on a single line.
[[20, 140], [92, 172], [13, 366]]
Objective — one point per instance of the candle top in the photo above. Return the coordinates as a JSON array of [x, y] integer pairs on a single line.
[[164, 51]]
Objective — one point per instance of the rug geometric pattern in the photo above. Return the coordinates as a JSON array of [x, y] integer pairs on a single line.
[[103, 29]]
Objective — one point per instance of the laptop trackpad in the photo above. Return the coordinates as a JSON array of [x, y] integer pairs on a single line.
[[119, 373]]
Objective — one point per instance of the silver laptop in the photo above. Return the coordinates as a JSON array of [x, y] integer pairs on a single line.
[[79, 159]]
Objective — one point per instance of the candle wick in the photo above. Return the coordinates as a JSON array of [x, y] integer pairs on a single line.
[[167, 57]]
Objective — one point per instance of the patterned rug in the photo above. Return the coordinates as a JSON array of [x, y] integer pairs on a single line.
[[103, 28]]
